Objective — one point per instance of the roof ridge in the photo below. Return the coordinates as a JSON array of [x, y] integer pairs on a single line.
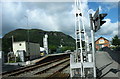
[[102, 37]]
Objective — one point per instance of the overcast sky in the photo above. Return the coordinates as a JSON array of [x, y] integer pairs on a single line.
[[57, 16]]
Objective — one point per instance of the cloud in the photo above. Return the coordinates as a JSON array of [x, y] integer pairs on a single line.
[[46, 16], [109, 28], [0, 20], [39, 19], [50, 16], [12, 15]]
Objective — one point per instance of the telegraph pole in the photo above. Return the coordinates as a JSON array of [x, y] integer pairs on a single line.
[[12, 47], [28, 38]]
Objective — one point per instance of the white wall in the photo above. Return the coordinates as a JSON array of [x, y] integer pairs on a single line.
[[19, 46]]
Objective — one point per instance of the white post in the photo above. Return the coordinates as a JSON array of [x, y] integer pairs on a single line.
[[12, 40], [12, 43], [45, 42], [93, 44], [81, 52], [93, 50], [88, 48], [71, 61]]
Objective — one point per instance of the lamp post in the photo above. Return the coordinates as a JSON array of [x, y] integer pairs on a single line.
[[28, 37]]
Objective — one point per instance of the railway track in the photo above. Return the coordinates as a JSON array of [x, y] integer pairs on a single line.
[[51, 70], [60, 74], [37, 70]]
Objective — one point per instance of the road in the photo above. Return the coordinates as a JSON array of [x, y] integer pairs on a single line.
[[108, 64]]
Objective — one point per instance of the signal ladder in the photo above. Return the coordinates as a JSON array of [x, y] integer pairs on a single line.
[[82, 63]]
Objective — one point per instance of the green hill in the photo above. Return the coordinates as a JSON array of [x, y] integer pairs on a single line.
[[36, 36]]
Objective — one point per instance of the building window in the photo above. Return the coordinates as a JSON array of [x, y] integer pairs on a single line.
[[101, 41], [20, 44]]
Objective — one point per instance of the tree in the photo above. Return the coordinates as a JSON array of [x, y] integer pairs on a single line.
[[115, 41]]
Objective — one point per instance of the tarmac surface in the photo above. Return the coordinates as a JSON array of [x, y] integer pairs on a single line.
[[7, 67], [108, 64]]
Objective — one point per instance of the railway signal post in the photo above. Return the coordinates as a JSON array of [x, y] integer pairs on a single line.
[[83, 63], [95, 22]]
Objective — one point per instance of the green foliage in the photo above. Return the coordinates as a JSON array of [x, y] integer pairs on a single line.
[[115, 41], [52, 48], [11, 61], [64, 48], [18, 59]]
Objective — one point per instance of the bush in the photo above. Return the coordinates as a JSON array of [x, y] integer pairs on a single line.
[[18, 59], [11, 61]]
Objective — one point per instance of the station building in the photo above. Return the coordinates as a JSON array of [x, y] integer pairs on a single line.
[[30, 50], [102, 42]]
